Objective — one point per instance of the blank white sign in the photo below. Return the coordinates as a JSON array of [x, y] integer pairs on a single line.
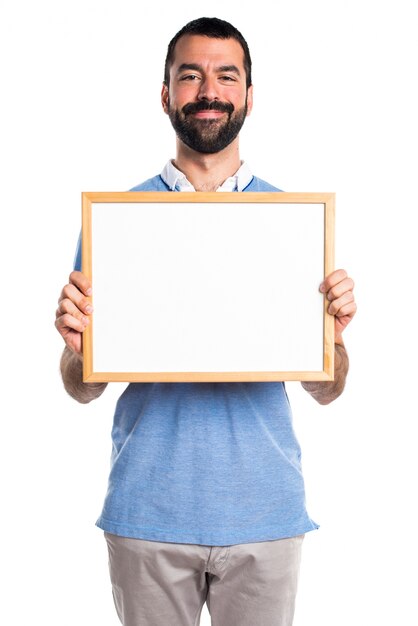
[[206, 290]]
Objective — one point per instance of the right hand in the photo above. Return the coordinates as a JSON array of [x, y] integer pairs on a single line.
[[74, 308]]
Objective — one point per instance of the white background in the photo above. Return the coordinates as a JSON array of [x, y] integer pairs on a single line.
[[335, 110]]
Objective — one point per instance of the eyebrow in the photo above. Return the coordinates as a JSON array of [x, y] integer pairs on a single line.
[[198, 68], [229, 68]]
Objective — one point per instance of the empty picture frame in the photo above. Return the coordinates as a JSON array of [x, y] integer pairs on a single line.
[[208, 287]]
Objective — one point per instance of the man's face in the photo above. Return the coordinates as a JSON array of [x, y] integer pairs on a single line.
[[207, 99]]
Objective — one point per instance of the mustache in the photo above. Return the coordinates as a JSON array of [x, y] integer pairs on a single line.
[[204, 105]]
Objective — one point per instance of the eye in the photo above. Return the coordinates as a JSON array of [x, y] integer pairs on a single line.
[[190, 77], [228, 79]]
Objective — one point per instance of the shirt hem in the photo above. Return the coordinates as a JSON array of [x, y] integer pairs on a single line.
[[213, 538]]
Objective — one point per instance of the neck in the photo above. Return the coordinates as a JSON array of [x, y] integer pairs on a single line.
[[206, 172]]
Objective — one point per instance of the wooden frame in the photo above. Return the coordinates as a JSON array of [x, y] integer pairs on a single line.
[[208, 287]]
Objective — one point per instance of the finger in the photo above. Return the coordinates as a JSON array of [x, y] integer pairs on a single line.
[[81, 282], [67, 323], [67, 306], [332, 279], [72, 293], [345, 286], [349, 310], [338, 306], [72, 338]]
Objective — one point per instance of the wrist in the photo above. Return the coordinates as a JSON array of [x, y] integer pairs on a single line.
[[338, 341]]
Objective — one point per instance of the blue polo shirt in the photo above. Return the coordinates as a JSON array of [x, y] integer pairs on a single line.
[[204, 463]]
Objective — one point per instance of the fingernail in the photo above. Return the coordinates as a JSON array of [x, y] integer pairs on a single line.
[[88, 292], [89, 309]]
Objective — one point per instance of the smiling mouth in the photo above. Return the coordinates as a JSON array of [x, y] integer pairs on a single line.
[[210, 114], [207, 110]]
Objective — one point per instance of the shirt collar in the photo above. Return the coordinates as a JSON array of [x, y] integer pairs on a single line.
[[177, 181]]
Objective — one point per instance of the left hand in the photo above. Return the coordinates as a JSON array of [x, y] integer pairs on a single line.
[[338, 289]]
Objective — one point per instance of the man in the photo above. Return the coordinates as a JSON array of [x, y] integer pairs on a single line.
[[206, 496]]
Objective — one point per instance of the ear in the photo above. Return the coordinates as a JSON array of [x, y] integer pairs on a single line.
[[249, 99], [164, 98]]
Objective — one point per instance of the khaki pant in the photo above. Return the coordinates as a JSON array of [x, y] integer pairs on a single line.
[[167, 584]]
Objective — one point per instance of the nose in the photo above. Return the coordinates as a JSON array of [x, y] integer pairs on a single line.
[[208, 89]]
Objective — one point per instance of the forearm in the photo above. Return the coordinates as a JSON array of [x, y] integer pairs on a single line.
[[72, 376], [325, 392]]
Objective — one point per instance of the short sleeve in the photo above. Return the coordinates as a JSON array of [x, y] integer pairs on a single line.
[[77, 258]]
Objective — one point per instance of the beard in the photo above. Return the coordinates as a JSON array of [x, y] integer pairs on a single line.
[[207, 135]]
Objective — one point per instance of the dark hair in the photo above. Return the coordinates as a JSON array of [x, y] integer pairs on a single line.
[[209, 27]]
